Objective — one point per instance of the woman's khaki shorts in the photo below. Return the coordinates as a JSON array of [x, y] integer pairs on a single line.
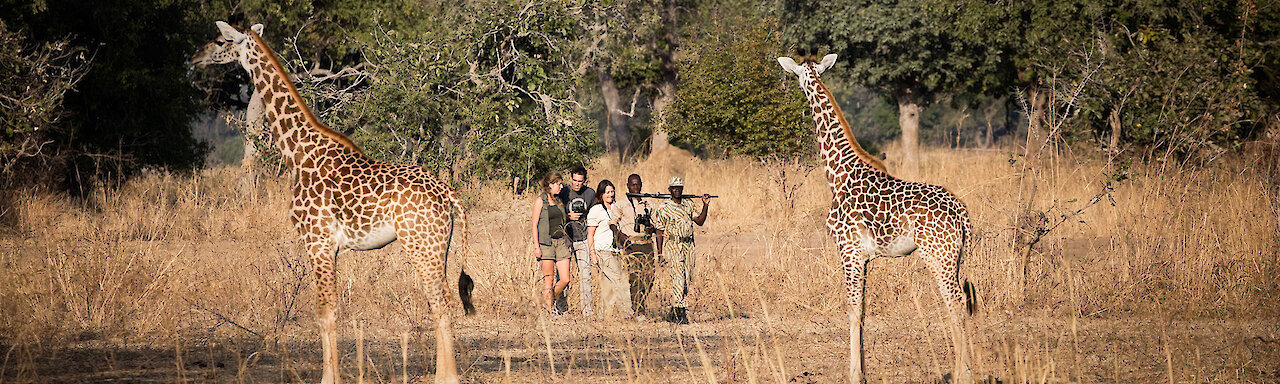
[[558, 250]]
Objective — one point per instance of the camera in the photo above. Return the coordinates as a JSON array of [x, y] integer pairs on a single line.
[[577, 206], [643, 220]]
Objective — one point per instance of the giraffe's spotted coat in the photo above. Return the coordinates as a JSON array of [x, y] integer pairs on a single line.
[[874, 214], [344, 200]]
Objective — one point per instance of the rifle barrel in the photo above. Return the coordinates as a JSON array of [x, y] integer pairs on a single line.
[[665, 195]]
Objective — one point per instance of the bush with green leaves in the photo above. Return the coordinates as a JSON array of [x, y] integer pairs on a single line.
[[734, 99], [1183, 91], [34, 80]]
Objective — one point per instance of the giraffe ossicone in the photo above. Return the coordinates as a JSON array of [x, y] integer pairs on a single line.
[[874, 214], [344, 200]]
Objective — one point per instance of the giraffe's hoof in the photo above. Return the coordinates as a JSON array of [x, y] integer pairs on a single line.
[[450, 379]]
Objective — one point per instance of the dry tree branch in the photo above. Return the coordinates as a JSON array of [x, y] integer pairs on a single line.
[[316, 75], [634, 96]]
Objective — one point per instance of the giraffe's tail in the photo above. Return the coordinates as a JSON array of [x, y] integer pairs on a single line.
[[970, 297], [970, 291], [465, 284]]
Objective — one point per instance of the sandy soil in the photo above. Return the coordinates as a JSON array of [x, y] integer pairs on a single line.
[[745, 348]]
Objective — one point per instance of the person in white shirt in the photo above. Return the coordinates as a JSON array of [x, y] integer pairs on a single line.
[[615, 297]]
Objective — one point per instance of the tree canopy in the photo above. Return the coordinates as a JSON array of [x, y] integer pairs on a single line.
[[493, 97], [906, 49], [133, 103], [731, 98], [503, 88], [1154, 74]]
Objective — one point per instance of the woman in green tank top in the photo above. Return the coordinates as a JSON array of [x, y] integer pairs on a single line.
[[552, 246]]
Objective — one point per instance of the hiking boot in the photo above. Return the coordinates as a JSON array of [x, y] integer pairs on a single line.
[[562, 305]]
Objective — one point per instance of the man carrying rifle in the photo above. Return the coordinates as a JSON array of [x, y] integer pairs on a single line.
[[674, 221], [632, 219]]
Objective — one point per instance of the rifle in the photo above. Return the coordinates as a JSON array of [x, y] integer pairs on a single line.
[[665, 195]]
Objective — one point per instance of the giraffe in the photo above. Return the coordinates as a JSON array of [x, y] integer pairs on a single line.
[[345, 200], [874, 214]]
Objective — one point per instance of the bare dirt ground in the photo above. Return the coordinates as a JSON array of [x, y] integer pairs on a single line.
[[497, 348]]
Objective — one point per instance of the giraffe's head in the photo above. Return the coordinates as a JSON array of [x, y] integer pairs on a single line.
[[230, 46], [809, 70]]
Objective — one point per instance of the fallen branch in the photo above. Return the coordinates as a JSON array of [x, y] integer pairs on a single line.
[[223, 318]]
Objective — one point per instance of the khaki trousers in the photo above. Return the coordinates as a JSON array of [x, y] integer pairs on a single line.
[[640, 269], [582, 254], [615, 295]]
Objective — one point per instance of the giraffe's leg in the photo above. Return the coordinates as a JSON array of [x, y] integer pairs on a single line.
[[446, 367], [855, 280], [946, 273], [323, 260], [428, 258]]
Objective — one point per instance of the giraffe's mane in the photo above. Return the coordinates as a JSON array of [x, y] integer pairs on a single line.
[[293, 91], [848, 133]]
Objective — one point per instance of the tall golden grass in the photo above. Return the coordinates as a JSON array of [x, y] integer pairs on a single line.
[[171, 255]]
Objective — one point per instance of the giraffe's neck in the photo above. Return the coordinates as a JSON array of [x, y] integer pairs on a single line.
[[840, 151], [303, 141]]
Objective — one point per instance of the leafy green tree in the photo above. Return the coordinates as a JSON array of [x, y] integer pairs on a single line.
[[632, 45], [1155, 74], [730, 98], [490, 97], [326, 35], [1164, 89], [131, 107], [314, 38], [902, 48]]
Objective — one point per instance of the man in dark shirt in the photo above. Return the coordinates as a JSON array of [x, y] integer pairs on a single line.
[[577, 199]]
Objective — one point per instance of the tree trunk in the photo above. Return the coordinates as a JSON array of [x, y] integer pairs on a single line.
[[617, 134], [250, 155], [1273, 157], [989, 113], [1026, 220], [988, 141], [909, 122], [1036, 137], [1114, 119], [254, 126], [660, 141]]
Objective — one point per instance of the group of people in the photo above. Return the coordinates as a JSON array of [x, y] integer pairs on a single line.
[[619, 237]]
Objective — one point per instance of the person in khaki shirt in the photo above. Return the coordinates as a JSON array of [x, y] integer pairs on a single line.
[[631, 218]]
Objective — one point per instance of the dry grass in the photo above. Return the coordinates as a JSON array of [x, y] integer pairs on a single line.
[[186, 269]]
